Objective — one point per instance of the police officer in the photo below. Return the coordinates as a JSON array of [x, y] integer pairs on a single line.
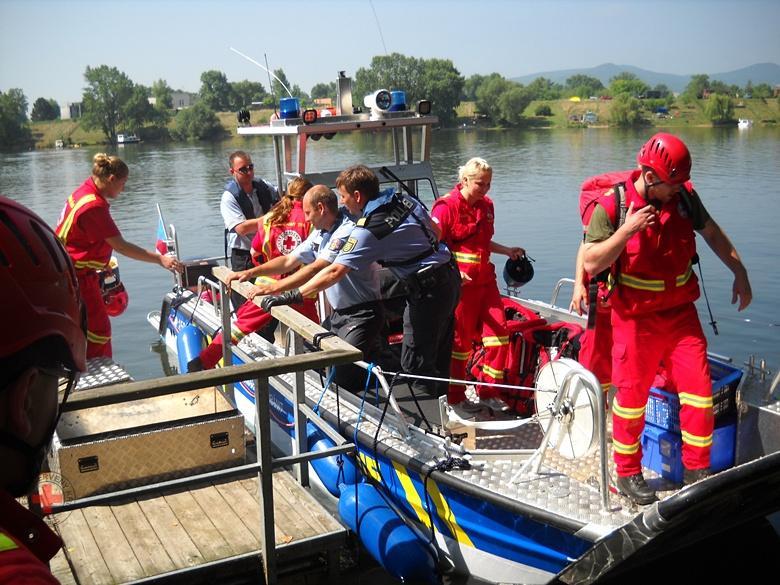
[[244, 200], [396, 231]]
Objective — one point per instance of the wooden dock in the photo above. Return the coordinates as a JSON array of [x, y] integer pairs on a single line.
[[195, 535]]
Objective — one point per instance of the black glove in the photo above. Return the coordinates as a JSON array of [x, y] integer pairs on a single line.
[[291, 297]]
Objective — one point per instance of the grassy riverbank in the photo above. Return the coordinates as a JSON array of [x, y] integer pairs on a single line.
[[564, 112]]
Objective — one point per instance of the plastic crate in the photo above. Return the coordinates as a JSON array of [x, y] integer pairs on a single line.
[[662, 451], [663, 408]]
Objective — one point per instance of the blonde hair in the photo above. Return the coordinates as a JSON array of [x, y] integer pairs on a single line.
[[104, 165], [475, 166], [296, 189]]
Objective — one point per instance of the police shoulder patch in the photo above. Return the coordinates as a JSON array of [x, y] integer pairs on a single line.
[[349, 246], [336, 244]]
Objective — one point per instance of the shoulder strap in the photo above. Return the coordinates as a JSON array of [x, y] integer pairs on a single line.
[[621, 209], [263, 194]]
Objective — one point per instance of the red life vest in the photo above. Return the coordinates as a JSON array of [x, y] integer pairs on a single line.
[[469, 235], [87, 253], [656, 271], [280, 239]]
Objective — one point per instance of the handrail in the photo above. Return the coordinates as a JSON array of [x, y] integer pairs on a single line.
[[557, 289]]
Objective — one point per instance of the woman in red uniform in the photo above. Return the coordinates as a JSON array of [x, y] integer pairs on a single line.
[[465, 217], [89, 234], [278, 233]]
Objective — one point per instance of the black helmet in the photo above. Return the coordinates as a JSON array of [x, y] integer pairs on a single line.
[[518, 272]]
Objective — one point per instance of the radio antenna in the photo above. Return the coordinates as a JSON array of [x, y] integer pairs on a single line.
[[264, 69], [381, 36]]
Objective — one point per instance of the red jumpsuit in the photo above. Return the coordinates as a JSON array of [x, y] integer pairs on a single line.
[[83, 227], [23, 560], [479, 316], [654, 319], [271, 241]]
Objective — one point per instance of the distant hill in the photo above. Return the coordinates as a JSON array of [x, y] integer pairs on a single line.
[[758, 73]]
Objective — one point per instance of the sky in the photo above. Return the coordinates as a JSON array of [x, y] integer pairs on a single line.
[[46, 45]]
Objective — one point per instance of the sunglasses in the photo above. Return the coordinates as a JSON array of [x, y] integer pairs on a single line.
[[245, 170]]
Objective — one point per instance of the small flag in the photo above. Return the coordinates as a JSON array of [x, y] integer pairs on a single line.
[[162, 235]]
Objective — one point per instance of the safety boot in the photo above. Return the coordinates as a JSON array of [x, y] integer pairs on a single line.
[[691, 476], [495, 405], [636, 489]]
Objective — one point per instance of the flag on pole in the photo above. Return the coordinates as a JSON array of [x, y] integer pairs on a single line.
[[162, 235]]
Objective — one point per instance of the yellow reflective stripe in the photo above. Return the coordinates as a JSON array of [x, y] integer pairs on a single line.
[[371, 466], [94, 264], [495, 341], [606, 385], [67, 223], [685, 276], [467, 258], [99, 339], [695, 401], [640, 283], [696, 440], [266, 247], [497, 374], [627, 413], [264, 280], [7, 543], [411, 495], [624, 449], [460, 355], [445, 513]]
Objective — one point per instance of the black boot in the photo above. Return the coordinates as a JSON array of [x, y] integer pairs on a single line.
[[194, 365], [636, 489], [693, 475]]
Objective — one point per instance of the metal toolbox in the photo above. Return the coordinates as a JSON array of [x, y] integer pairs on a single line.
[[118, 446]]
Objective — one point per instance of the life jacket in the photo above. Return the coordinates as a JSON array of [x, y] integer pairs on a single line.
[[282, 238], [388, 211], [470, 235], [97, 255], [264, 195], [655, 270]]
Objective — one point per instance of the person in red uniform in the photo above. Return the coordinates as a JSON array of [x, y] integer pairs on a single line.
[[89, 234], [465, 218], [279, 232], [41, 306], [654, 319]]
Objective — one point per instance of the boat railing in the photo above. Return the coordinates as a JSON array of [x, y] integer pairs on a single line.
[[334, 351]]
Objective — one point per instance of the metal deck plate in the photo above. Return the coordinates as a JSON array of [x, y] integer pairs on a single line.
[[102, 372]]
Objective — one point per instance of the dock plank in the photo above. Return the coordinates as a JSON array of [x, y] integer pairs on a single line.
[[61, 569], [199, 527], [147, 547], [248, 508], [172, 535], [288, 488], [82, 550], [290, 511], [114, 547], [229, 524]]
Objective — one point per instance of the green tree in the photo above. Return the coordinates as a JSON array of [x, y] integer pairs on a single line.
[[627, 83], [719, 109], [196, 123], [137, 110], [471, 86], [543, 110], [489, 95], [663, 90], [215, 91], [762, 90], [44, 109], [442, 84], [722, 88], [14, 130], [245, 92], [163, 95], [512, 103], [626, 111], [324, 90], [583, 86], [279, 91], [542, 88], [108, 91], [697, 86]]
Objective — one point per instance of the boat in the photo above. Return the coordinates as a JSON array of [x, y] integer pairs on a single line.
[[505, 499], [743, 123], [127, 139]]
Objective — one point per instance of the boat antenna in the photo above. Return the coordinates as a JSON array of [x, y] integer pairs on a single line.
[[376, 19], [264, 68], [270, 84]]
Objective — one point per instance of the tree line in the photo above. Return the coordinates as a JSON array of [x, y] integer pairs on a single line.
[[113, 103]]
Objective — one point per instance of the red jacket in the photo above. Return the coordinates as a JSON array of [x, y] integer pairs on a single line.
[[84, 225], [272, 241], [467, 230]]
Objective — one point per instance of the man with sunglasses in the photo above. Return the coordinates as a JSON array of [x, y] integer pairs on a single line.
[[41, 306], [654, 318], [244, 201]]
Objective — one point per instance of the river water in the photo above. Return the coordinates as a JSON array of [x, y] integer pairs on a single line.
[[535, 188]]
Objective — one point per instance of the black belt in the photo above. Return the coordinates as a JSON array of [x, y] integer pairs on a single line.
[[356, 308], [240, 252]]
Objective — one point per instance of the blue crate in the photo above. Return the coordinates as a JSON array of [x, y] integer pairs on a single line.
[[662, 450], [663, 408]]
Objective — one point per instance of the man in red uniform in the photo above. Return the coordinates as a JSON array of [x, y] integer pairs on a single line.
[[42, 308], [653, 314], [90, 234], [465, 218]]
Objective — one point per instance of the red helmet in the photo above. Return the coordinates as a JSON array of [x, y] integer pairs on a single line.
[[38, 288], [116, 301], [668, 156]]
